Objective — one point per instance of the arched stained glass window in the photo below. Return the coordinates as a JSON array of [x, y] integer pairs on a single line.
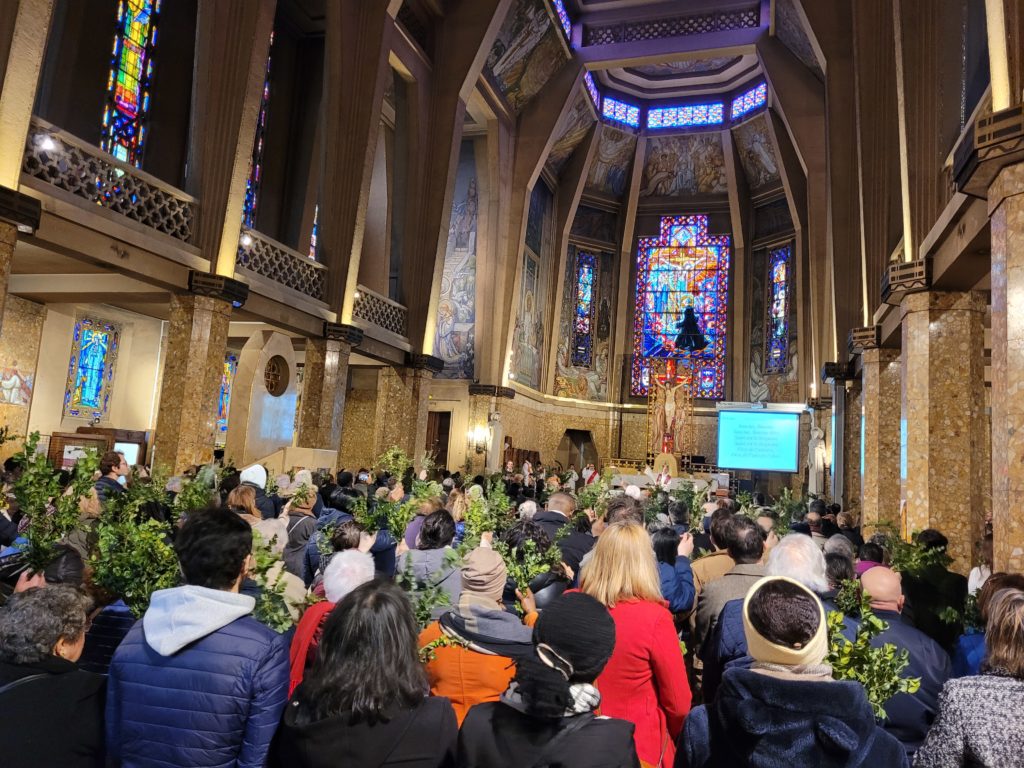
[[91, 368], [314, 232], [776, 359], [227, 380], [682, 303], [131, 71], [583, 313], [252, 184]]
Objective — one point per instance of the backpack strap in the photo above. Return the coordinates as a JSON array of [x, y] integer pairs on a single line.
[[20, 681]]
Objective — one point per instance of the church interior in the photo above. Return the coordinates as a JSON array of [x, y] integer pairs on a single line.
[[568, 232]]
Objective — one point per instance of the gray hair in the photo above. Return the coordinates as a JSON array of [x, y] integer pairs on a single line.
[[527, 509], [839, 545], [33, 621], [346, 571], [798, 557]]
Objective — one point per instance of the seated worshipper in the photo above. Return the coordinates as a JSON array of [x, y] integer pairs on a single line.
[[796, 557], [473, 648], [908, 715], [273, 531], [301, 522], [199, 675], [432, 563], [935, 589], [547, 715], [545, 587], [346, 571], [869, 556], [746, 548], [255, 477], [52, 710], [645, 679], [363, 702], [981, 718], [673, 554], [970, 646], [786, 710]]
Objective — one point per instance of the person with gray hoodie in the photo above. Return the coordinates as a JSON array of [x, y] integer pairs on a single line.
[[433, 565], [198, 681]]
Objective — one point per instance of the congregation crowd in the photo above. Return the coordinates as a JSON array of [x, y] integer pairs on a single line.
[[659, 636]]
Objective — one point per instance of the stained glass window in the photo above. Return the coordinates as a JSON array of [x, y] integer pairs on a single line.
[[313, 233], [682, 300], [621, 112], [583, 312], [749, 101], [595, 96], [252, 184], [94, 348], [563, 17], [131, 71], [776, 359], [227, 379], [689, 115]]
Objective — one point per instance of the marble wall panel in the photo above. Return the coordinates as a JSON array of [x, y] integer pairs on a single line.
[[357, 436], [322, 409], [880, 400], [851, 449]]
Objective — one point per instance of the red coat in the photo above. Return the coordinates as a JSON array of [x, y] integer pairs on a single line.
[[645, 680]]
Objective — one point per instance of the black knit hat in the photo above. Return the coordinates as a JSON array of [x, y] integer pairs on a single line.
[[575, 635]]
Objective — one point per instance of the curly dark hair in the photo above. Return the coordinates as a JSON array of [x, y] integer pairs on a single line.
[[367, 663], [212, 546], [33, 621]]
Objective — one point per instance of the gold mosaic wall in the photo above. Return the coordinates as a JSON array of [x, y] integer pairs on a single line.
[[19, 352]]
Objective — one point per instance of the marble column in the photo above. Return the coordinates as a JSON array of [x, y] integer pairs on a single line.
[[197, 338], [943, 412], [880, 403], [8, 239], [851, 449], [403, 397], [325, 378], [1006, 209]]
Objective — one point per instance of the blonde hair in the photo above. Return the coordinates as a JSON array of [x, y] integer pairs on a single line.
[[457, 505], [622, 566], [243, 497]]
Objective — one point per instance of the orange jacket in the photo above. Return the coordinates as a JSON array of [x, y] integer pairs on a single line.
[[464, 676]]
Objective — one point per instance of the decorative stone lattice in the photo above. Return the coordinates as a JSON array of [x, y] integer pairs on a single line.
[[87, 172], [675, 26], [281, 264], [382, 312]]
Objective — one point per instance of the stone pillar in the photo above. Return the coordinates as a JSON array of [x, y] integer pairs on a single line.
[[485, 402], [197, 338], [880, 402], [322, 413], [1006, 208], [403, 399], [943, 404], [851, 449]]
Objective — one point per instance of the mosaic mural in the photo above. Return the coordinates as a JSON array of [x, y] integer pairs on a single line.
[[456, 312], [790, 30], [573, 128], [612, 162], [688, 67], [528, 336], [756, 154], [686, 165], [595, 224], [526, 53]]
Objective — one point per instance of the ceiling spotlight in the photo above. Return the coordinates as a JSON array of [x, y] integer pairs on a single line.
[[357, 295], [246, 240], [47, 144]]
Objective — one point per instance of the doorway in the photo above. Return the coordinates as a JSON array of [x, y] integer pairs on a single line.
[[439, 427], [576, 447]]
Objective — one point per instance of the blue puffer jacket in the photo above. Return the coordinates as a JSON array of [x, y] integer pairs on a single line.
[[197, 682]]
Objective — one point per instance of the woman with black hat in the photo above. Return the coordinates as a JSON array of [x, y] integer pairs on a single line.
[[546, 717]]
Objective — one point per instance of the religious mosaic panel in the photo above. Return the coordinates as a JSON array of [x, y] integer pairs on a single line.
[[756, 154], [572, 130], [526, 53], [528, 336], [585, 327], [682, 303], [613, 162], [94, 347], [789, 29], [595, 224], [684, 165], [456, 312], [227, 380]]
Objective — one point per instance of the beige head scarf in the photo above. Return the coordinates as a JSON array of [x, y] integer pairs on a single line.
[[763, 650]]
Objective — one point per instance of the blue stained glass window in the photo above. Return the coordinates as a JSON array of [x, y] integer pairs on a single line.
[[563, 17], [91, 368], [123, 131], [749, 101], [227, 380], [688, 115], [313, 234], [613, 109], [595, 96], [252, 184], [777, 331], [583, 312]]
